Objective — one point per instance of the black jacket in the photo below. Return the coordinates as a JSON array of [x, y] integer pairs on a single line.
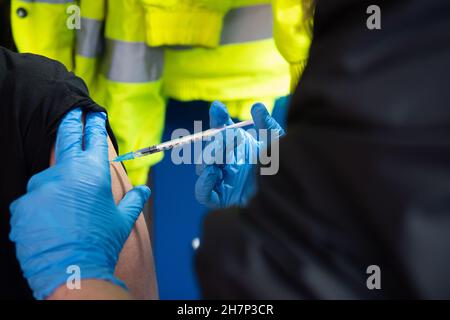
[[364, 173]]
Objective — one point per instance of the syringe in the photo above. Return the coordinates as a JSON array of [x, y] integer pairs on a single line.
[[178, 142]]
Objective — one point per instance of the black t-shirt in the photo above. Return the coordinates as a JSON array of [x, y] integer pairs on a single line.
[[35, 93], [364, 174]]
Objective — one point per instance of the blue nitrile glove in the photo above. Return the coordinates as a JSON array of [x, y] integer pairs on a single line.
[[233, 184], [68, 216]]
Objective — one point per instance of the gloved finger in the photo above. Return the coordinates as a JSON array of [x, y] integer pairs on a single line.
[[263, 120], [199, 159], [222, 148], [70, 136], [96, 136], [224, 142], [132, 204], [236, 141], [218, 115], [204, 187]]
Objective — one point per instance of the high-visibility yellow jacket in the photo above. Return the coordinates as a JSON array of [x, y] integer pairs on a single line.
[[109, 52], [245, 65], [293, 21], [211, 50]]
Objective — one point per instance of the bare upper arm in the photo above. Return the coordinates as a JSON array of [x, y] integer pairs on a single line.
[[135, 266]]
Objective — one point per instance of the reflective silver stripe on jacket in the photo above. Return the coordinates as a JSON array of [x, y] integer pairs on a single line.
[[132, 62], [90, 41], [247, 24]]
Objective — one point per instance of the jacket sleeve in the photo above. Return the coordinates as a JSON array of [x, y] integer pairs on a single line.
[[41, 28]]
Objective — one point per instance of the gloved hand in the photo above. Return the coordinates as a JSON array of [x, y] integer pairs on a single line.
[[68, 215], [233, 183]]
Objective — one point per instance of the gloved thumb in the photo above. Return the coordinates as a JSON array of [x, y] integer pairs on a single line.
[[263, 120], [133, 202], [218, 115], [204, 187]]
